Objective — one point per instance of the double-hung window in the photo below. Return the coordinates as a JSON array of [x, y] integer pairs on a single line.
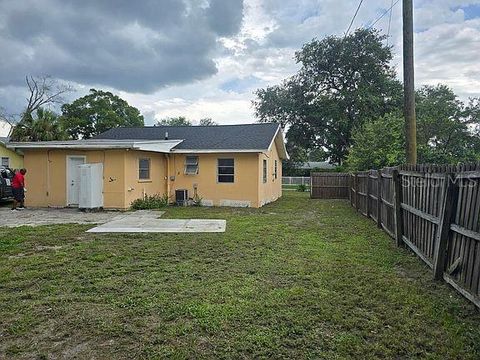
[[191, 165], [225, 170], [275, 170], [144, 169], [264, 171], [6, 161]]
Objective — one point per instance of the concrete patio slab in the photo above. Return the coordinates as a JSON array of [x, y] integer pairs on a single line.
[[111, 221], [48, 216], [155, 225]]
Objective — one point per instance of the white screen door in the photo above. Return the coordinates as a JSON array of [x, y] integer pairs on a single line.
[[73, 178]]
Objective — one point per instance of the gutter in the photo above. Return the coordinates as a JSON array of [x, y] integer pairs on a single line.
[[213, 151]]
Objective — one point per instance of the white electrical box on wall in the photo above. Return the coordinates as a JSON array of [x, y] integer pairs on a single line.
[[91, 186]]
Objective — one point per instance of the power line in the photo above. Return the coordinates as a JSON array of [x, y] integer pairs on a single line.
[[389, 21], [353, 18], [381, 16]]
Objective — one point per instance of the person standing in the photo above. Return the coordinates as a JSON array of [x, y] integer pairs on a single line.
[[18, 189]]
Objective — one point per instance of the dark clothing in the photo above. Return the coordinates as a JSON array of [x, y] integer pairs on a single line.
[[18, 194]]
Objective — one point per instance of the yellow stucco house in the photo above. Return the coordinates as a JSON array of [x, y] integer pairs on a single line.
[[224, 165], [9, 158]]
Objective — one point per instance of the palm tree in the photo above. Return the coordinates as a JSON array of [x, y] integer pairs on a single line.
[[43, 127]]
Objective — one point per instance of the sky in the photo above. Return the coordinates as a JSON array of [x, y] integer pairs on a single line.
[[205, 58]]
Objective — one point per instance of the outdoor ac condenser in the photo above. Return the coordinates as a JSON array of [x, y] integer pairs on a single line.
[[91, 186]]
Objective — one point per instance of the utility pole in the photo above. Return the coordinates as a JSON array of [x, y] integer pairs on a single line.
[[409, 83]]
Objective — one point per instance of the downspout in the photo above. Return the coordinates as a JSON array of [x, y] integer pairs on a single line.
[[48, 178], [103, 176], [167, 157]]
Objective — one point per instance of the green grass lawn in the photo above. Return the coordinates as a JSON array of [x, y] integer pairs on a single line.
[[298, 278]]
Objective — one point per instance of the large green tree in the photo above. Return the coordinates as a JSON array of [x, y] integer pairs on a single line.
[[447, 132], [174, 121], [342, 83], [207, 122], [41, 125], [97, 112], [446, 126], [378, 143], [183, 121]]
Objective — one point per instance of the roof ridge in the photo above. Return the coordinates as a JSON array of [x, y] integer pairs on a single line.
[[192, 126]]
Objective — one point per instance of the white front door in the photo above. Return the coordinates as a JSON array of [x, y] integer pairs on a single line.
[[73, 178]]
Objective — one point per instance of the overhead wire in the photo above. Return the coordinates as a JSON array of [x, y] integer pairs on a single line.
[[389, 21], [353, 18], [383, 14]]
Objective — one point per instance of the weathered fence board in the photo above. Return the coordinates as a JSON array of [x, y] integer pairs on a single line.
[[434, 210], [329, 185]]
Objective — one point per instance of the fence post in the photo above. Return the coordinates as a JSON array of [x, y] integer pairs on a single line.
[[397, 201], [367, 205], [379, 198], [350, 188], [450, 198], [355, 186]]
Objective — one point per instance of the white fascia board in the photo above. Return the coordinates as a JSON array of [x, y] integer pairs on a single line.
[[68, 146], [274, 137], [147, 145], [279, 135]]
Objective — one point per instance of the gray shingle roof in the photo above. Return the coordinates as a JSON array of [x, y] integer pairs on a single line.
[[3, 139], [219, 137]]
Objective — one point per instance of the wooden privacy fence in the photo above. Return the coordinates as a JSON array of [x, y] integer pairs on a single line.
[[434, 210], [329, 185]]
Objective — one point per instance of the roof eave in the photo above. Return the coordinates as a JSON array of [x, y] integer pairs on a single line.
[[163, 146], [283, 154], [211, 151]]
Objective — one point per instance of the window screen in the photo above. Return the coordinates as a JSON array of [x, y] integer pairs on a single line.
[[275, 173], [6, 161], [191, 165], [226, 170], [144, 169]]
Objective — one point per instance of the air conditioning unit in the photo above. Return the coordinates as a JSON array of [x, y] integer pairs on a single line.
[[91, 186], [181, 197]]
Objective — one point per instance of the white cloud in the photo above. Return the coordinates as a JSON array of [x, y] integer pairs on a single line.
[[4, 128], [446, 51], [261, 53], [449, 53]]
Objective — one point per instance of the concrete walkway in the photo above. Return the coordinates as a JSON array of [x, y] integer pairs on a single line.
[[146, 221]]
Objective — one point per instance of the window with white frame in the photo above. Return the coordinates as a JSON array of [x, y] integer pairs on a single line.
[[225, 170], [191, 165], [6, 161], [275, 170], [144, 169], [264, 171]]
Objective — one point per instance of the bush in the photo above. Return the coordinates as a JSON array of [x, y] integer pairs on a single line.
[[302, 188], [155, 201]]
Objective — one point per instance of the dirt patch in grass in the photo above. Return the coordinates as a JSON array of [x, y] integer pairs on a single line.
[[298, 278]]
